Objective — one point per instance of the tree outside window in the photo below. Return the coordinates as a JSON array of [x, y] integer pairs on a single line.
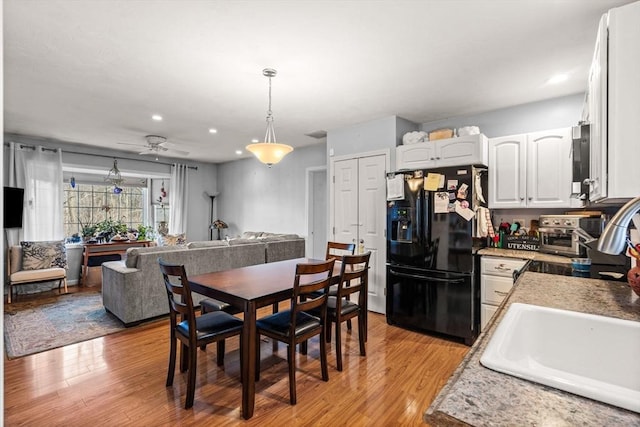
[[86, 205]]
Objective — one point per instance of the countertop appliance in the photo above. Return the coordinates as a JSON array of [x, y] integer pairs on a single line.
[[558, 233], [432, 274]]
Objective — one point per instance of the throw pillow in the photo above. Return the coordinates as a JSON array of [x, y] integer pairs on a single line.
[[39, 255], [174, 240]]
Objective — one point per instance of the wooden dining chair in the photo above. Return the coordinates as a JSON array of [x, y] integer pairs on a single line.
[[296, 325], [335, 250], [353, 278], [191, 330]]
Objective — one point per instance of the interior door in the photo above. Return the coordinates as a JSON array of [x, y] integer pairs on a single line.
[[372, 219], [345, 208], [359, 213]]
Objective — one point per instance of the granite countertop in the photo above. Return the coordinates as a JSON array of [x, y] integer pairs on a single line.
[[478, 396], [533, 255]]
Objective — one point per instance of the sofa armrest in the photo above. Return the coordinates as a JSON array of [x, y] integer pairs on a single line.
[[121, 291], [119, 266]]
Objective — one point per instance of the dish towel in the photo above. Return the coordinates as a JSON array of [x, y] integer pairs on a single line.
[[485, 227]]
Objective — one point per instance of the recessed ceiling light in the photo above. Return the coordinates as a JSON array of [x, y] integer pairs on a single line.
[[238, 152], [558, 78], [254, 140], [157, 117], [212, 130]]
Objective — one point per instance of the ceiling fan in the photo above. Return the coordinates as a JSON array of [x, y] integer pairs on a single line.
[[158, 145]]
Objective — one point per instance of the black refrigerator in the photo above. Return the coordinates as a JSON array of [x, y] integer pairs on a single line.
[[432, 271]]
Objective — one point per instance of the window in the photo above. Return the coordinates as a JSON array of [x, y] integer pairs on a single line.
[[89, 204]]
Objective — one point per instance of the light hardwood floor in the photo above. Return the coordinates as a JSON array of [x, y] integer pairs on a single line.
[[119, 380]]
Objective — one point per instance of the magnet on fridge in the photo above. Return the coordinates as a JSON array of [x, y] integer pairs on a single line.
[[462, 191]]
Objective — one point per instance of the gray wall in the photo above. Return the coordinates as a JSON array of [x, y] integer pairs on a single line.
[[383, 133], [201, 180], [362, 137], [254, 197], [550, 114]]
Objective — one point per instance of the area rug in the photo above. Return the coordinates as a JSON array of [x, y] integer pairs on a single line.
[[66, 320]]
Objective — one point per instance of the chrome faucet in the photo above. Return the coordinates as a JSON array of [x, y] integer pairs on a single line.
[[614, 238]]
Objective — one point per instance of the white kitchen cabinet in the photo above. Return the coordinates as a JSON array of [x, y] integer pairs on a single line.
[[597, 96], [614, 103], [496, 280], [531, 170], [463, 150]]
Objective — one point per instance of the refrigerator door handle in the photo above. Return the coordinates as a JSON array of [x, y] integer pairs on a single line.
[[419, 277], [419, 224]]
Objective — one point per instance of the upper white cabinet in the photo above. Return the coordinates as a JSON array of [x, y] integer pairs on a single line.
[[597, 87], [464, 150], [531, 170], [614, 107]]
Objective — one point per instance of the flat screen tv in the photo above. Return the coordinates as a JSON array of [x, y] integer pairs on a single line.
[[13, 204]]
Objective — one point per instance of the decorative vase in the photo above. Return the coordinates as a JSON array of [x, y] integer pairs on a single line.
[[163, 228], [633, 277]]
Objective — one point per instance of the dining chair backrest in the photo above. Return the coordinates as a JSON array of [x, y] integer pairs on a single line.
[[336, 250], [178, 294], [309, 279], [353, 275]]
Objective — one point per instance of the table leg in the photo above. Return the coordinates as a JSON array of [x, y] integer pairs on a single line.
[[85, 268], [249, 360]]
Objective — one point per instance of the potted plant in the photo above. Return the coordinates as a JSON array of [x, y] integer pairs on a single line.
[[88, 231], [110, 228], [144, 232]]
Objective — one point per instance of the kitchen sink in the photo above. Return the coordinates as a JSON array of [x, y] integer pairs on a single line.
[[593, 356]]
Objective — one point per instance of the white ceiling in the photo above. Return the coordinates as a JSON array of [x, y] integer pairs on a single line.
[[93, 72]]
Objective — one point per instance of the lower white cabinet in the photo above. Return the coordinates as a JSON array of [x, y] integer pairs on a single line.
[[496, 280]]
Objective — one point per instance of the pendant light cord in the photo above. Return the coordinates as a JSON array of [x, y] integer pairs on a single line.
[[270, 135]]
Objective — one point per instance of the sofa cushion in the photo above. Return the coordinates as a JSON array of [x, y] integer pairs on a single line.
[[132, 253], [277, 237], [40, 255], [207, 244], [250, 235], [29, 276], [236, 242]]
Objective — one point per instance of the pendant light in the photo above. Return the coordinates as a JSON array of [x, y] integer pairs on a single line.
[[114, 177], [269, 152]]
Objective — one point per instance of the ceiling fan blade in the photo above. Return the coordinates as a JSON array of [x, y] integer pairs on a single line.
[[126, 143], [179, 152], [169, 144]]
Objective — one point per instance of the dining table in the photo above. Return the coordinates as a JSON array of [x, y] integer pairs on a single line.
[[250, 288]]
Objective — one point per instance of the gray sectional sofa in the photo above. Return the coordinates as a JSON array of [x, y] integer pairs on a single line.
[[133, 290]]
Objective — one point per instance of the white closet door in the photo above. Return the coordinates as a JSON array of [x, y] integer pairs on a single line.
[[372, 216], [346, 201]]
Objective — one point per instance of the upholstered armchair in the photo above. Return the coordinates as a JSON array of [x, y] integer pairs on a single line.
[[35, 262]]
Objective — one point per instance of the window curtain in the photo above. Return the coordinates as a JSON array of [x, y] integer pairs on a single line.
[[178, 199], [39, 171]]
